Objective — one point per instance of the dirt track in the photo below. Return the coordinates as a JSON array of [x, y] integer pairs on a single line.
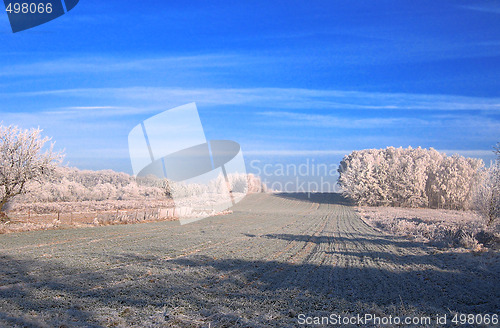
[[274, 258]]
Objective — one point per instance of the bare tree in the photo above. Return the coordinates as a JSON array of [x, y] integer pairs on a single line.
[[22, 160]]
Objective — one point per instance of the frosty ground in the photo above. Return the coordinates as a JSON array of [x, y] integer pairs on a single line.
[[273, 258]]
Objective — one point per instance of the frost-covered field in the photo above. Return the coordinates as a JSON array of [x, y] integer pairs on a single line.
[[274, 258], [449, 228]]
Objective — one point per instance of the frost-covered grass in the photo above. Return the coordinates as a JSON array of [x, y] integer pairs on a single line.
[[87, 206], [16, 226], [447, 228]]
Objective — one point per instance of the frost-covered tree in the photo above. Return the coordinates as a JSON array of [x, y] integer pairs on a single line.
[[161, 184], [238, 183], [487, 194], [453, 182], [23, 160], [255, 184], [409, 177]]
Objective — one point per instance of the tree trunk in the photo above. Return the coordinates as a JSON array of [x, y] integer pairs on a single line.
[[491, 212], [3, 215]]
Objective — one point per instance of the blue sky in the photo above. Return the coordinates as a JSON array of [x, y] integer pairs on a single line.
[[288, 80]]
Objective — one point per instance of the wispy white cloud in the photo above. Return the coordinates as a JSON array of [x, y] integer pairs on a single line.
[[72, 112], [282, 98], [468, 152], [94, 64], [331, 121], [91, 107], [89, 117], [64, 122], [477, 153], [464, 122], [297, 152], [492, 7], [377, 41]]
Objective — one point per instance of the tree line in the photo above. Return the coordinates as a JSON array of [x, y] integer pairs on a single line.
[[31, 171]]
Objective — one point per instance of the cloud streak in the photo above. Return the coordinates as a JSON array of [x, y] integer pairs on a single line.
[[283, 118], [297, 152], [335, 152], [115, 64], [487, 8], [330, 121], [282, 98]]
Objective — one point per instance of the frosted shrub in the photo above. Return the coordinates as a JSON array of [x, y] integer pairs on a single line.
[[444, 228], [130, 191], [104, 191]]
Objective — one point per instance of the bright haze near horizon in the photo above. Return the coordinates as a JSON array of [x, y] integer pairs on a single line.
[[292, 81]]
